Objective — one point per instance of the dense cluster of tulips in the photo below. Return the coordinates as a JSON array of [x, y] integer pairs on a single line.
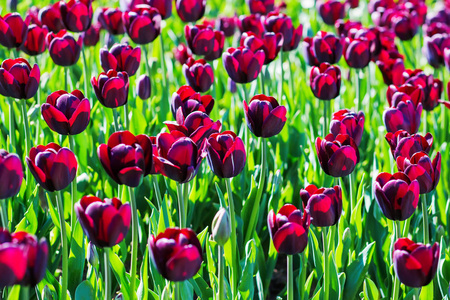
[[93, 134]]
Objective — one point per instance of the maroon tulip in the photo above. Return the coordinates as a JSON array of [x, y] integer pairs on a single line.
[[325, 81], [111, 20], [53, 167], [176, 253], [66, 114], [126, 158], [415, 264], [264, 116], [34, 43], [190, 10], [324, 205], [163, 6], [327, 47], [262, 7], [18, 80], [404, 144], [331, 10], [144, 87], [143, 24], [32, 16], [432, 87], [63, 48], [76, 14], [308, 52], [436, 28], [251, 23], [338, 156], [242, 64], [50, 16], [345, 27], [404, 24], [203, 40], [348, 122], [182, 53], [357, 53], [13, 30], [105, 222], [187, 101], [13, 260], [270, 43], [288, 229], [392, 66], [122, 58], [433, 49], [92, 35], [352, 3], [227, 25], [199, 74], [11, 174], [397, 195], [111, 88], [226, 154], [280, 23]]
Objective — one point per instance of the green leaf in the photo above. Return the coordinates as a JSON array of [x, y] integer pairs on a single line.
[[84, 291], [76, 257], [15, 293], [370, 290], [427, 292], [357, 271], [120, 273], [142, 292], [246, 284], [186, 289], [29, 223]]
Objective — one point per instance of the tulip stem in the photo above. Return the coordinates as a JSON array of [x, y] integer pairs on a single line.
[[181, 207], [125, 116], [261, 82], [12, 126], [290, 277], [233, 240], [107, 274], [358, 89], [396, 281], [326, 265], [24, 292], [85, 71], [73, 189], [64, 246], [27, 141], [164, 81], [134, 249], [350, 187], [221, 295], [4, 208], [426, 236], [280, 95], [425, 121], [116, 119], [325, 117], [304, 262]]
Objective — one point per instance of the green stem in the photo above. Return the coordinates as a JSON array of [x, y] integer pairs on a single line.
[[280, 94], [426, 236], [233, 240], [107, 274], [64, 246], [86, 79], [27, 142], [12, 126], [4, 209], [425, 121], [221, 278], [66, 79], [116, 119], [290, 277], [24, 292], [261, 82], [291, 79], [396, 280], [165, 98], [181, 207], [157, 191], [177, 292], [326, 265], [73, 189], [350, 187], [303, 275], [358, 89], [406, 227], [125, 116], [134, 249], [325, 116]]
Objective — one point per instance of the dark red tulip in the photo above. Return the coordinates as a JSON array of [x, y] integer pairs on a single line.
[[432, 87], [392, 66], [327, 47], [324, 205], [143, 24], [435, 28], [325, 81], [18, 80], [348, 122], [404, 24], [403, 93], [105, 222], [50, 16], [76, 14], [397, 195], [280, 23], [262, 7], [344, 27], [357, 52], [13, 30], [415, 264], [63, 48], [199, 74], [111, 88], [352, 3], [53, 167], [433, 49], [404, 144], [203, 40], [179, 157], [187, 101], [338, 156], [163, 6], [190, 10], [11, 174], [308, 52], [227, 25], [242, 64], [176, 253], [208, 22], [32, 16], [264, 116], [270, 43], [66, 114], [182, 53], [144, 87], [92, 35], [288, 229], [34, 43], [122, 58], [420, 167], [13, 260], [226, 154], [331, 10], [251, 23], [127, 158], [111, 20]]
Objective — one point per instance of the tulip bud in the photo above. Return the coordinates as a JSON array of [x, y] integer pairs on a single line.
[[42, 198], [347, 236], [440, 231], [144, 87], [221, 228], [92, 255], [47, 293]]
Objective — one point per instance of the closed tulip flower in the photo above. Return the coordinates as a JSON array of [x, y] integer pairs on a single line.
[[327, 47], [415, 264], [76, 14], [182, 53], [143, 24], [111, 20], [127, 158], [34, 43], [13, 260], [325, 81], [404, 24], [397, 195], [433, 49], [53, 167], [92, 35], [392, 66], [242, 64], [251, 23], [280, 23], [63, 48], [331, 10], [144, 87], [105, 222], [11, 174], [66, 114], [176, 253], [357, 53], [271, 43], [13, 30], [348, 122], [404, 144], [227, 25], [203, 40], [50, 16], [288, 229], [262, 7], [308, 52], [221, 227], [324, 205], [122, 58], [18, 80], [338, 156], [111, 88], [432, 88], [163, 6], [190, 10], [188, 101], [264, 116], [199, 74]]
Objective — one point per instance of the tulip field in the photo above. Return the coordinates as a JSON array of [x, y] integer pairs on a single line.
[[205, 149]]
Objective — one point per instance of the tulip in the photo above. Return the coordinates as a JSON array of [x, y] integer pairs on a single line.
[[111, 88], [436, 28], [91, 253], [231, 86], [13, 260], [127, 158], [324, 205], [308, 52], [203, 40], [221, 227], [53, 167], [76, 14], [121, 58], [251, 23], [415, 264], [357, 53], [50, 16], [433, 49], [111, 20], [163, 6], [190, 10], [143, 24], [227, 25], [288, 229], [182, 53], [11, 174], [176, 253], [338, 155], [325, 81], [432, 87], [242, 64], [66, 114], [187, 101], [327, 47], [280, 23], [144, 87], [270, 43], [13, 30], [420, 167], [331, 10], [18, 80], [397, 195], [34, 43], [404, 144], [92, 35], [264, 116], [392, 66], [404, 24], [63, 48], [262, 7], [105, 222], [348, 122], [344, 27], [32, 16], [199, 74]]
